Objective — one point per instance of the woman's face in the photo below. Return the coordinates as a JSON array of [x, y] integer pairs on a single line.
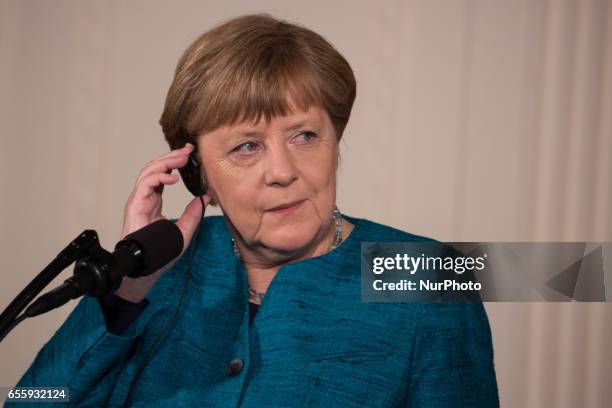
[[253, 168]]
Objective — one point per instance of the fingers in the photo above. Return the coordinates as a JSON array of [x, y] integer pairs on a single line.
[[156, 173], [188, 148], [145, 202], [152, 182], [164, 164], [191, 217]]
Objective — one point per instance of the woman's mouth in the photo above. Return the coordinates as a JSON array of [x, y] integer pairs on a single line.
[[286, 208]]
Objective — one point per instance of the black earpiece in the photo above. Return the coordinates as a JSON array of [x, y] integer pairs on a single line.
[[192, 177]]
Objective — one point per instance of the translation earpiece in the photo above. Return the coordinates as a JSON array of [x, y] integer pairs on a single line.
[[192, 177]]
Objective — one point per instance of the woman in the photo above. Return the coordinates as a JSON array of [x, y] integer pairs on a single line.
[[258, 107]]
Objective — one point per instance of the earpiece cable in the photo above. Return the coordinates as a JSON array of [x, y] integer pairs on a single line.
[[172, 319]]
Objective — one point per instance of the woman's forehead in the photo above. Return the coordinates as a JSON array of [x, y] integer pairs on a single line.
[[314, 116]]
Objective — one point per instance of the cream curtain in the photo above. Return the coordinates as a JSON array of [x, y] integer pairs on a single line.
[[475, 120]]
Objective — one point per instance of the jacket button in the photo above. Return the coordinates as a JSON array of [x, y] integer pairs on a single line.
[[235, 366]]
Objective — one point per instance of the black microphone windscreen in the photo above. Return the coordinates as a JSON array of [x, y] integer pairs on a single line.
[[161, 242]]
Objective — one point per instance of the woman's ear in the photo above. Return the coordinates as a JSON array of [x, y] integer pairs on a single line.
[[209, 190], [213, 201]]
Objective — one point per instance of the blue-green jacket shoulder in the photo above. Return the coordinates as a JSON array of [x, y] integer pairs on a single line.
[[377, 232]]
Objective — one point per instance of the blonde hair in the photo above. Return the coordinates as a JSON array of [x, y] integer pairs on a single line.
[[246, 68]]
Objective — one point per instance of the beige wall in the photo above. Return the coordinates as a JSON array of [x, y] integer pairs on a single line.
[[474, 120]]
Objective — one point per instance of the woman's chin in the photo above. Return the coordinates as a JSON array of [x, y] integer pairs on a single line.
[[292, 241]]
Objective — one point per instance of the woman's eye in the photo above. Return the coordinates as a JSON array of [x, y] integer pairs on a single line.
[[246, 147], [306, 136]]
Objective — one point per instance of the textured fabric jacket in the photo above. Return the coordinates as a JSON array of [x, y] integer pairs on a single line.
[[313, 343]]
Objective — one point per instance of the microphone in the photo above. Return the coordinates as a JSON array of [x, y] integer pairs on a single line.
[[139, 254]]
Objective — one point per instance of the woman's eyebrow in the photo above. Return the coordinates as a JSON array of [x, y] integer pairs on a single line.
[[250, 133]]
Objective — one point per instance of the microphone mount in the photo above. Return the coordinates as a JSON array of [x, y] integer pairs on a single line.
[[96, 270]]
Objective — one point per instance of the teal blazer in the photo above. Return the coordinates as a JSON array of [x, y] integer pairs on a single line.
[[313, 342]]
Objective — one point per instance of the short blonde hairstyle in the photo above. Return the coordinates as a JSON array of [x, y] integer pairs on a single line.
[[246, 68]]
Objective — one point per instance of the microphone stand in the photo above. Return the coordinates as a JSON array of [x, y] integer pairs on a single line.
[[96, 270], [81, 249]]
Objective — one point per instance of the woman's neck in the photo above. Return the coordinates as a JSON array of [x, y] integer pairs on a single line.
[[260, 272]]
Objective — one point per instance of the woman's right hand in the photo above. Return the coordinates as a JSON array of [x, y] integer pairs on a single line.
[[144, 206]]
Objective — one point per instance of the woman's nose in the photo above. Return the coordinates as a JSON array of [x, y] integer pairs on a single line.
[[280, 169]]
